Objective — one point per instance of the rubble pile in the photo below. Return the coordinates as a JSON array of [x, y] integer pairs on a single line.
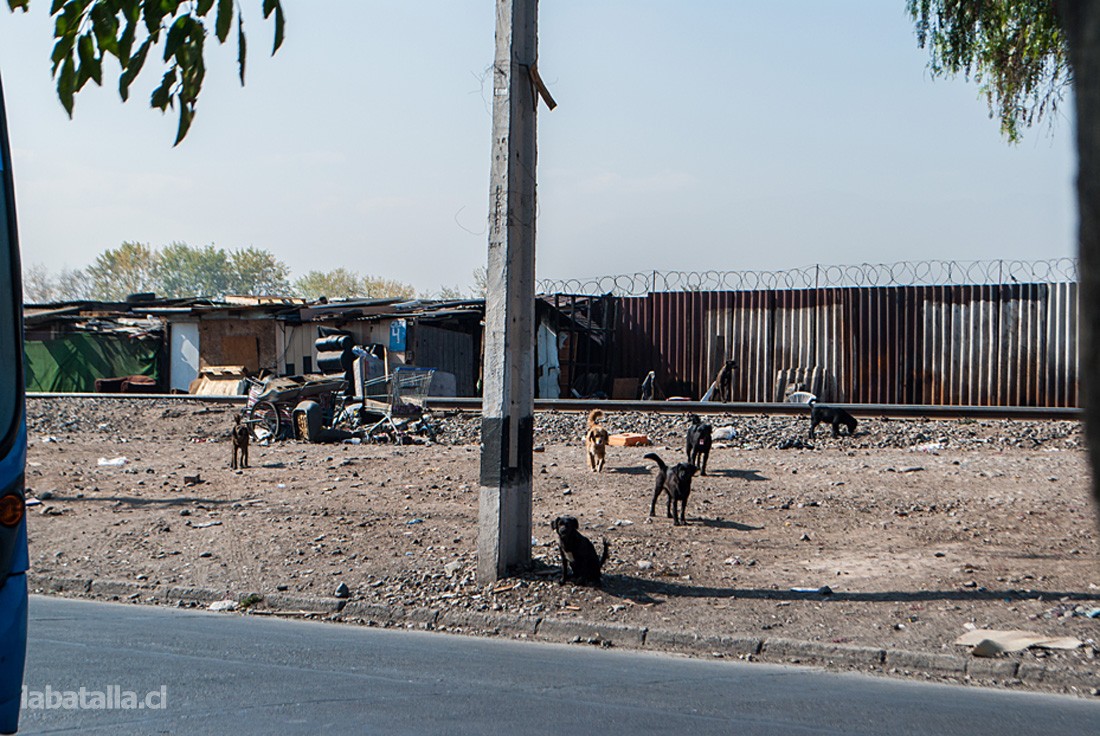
[[122, 417], [777, 432]]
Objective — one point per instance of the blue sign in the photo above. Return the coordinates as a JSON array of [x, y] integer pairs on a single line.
[[397, 336]]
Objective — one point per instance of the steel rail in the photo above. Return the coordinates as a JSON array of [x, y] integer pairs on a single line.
[[473, 405]]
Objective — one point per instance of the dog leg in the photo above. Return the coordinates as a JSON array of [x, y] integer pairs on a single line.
[[653, 503], [564, 565]]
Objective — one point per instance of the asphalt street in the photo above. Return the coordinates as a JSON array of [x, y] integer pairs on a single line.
[[227, 673]]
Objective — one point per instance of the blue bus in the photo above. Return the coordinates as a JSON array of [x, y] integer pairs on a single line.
[[13, 454]]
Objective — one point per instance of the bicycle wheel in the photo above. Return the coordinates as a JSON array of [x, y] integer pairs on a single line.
[[263, 418]]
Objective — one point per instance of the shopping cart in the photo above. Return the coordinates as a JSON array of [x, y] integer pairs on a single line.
[[395, 403]]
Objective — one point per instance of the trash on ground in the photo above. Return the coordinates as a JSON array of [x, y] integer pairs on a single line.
[[823, 590], [226, 605], [115, 462], [794, 443], [991, 642], [723, 433]]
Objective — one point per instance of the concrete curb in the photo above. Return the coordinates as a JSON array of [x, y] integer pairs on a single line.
[[900, 663]]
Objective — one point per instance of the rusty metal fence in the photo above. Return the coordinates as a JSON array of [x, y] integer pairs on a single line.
[[1005, 344]]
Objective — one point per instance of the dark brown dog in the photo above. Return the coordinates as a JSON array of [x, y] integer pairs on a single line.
[[698, 443], [239, 437], [595, 441], [723, 384], [676, 483], [834, 415], [578, 555]]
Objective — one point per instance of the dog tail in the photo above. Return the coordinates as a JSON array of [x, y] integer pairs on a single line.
[[657, 459], [606, 552], [594, 416]]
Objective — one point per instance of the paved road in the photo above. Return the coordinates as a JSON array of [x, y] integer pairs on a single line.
[[228, 674]]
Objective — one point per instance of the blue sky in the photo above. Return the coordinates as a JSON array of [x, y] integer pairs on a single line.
[[688, 136]]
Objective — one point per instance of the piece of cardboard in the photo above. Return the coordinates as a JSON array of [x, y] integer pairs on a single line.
[[627, 439], [989, 641]]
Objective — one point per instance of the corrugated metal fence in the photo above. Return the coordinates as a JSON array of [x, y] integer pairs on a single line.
[[993, 345]]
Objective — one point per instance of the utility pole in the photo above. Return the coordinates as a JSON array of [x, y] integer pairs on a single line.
[[507, 423]]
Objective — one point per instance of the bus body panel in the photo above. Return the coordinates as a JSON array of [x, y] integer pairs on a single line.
[[13, 451]]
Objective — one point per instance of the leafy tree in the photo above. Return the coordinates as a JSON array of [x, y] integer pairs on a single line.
[[481, 281], [129, 269], [175, 271], [89, 31], [379, 288], [39, 284], [1014, 49], [446, 293], [255, 271], [42, 286], [340, 283], [1024, 52], [183, 271]]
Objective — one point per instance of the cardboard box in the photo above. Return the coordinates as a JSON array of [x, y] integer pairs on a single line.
[[627, 439]]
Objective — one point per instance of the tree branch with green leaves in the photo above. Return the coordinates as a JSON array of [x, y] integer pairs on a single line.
[[1015, 50], [87, 32]]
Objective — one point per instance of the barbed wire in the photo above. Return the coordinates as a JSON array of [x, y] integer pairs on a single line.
[[902, 273]]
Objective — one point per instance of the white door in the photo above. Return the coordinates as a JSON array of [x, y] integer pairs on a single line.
[[184, 367], [549, 369]]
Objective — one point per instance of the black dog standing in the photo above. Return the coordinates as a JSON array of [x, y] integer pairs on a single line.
[[698, 443], [578, 555], [676, 482], [239, 437], [834, 415]]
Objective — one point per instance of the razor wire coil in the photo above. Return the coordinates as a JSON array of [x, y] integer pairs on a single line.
[[818, 276]]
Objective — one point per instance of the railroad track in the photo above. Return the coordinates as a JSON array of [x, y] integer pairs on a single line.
[[473, 405]]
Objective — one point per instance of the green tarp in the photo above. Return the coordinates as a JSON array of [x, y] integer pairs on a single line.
[[72, 363]]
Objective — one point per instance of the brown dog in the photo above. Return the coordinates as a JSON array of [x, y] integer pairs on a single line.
[[595, 441], [239, 437]]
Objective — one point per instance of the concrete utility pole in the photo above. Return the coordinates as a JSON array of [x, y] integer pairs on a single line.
[[507, 423]]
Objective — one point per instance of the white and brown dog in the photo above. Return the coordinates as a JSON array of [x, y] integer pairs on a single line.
[[595, 441]]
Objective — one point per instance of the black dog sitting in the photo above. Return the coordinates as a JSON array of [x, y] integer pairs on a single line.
[[676, 482], [834, 415], [698, 443], [578, 556]]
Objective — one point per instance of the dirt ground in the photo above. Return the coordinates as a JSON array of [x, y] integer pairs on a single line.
[[919, 528]]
